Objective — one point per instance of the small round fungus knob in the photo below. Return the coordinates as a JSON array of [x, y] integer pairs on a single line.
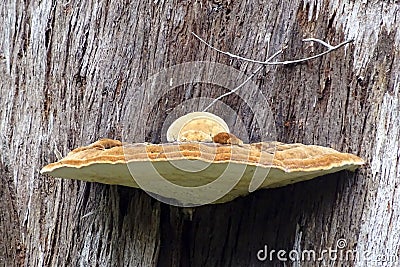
[[196, 126], [227, 138]]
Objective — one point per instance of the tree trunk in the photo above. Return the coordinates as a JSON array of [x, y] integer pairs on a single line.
[[72, 73]]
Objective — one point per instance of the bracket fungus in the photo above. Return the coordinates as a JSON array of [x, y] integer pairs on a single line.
[[142, 164]]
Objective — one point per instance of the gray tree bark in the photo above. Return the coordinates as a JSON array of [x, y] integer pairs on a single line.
[[71, 72]]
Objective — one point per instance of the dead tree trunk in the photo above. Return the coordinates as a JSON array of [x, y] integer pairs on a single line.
[[70, 72]]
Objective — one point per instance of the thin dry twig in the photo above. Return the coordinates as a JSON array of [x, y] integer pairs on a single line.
[[268, 60], [318, 41], [243, 83], [332, 48]]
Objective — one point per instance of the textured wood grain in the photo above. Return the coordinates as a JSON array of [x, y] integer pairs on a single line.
[[12, 251], [71, 73]]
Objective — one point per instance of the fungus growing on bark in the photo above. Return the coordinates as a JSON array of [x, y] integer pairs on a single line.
[[205, 150], [227, 138], [112, 162], [196, 126]]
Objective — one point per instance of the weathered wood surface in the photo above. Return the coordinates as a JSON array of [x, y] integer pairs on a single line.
[[71, 73]]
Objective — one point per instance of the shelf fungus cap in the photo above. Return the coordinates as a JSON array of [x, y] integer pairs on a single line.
[[278, 164], [196, 126]]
